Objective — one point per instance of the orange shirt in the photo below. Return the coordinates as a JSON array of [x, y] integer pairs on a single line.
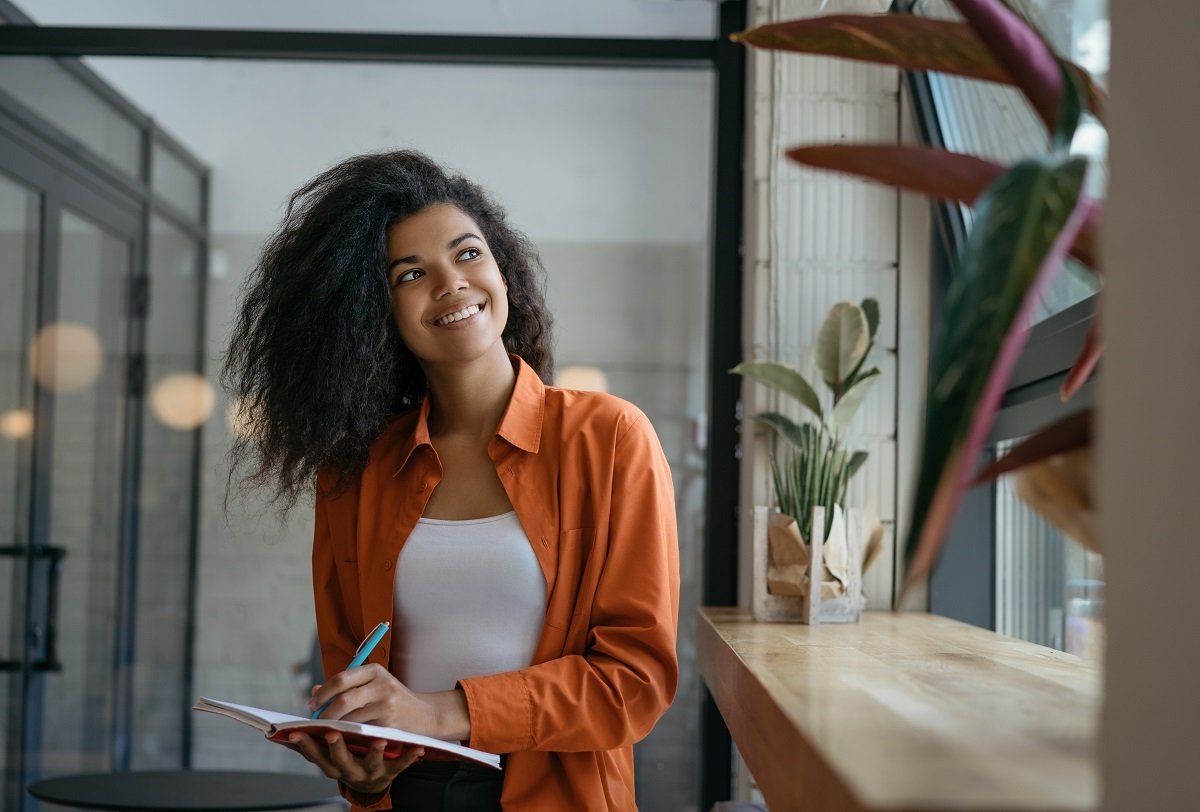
[[589, 483]]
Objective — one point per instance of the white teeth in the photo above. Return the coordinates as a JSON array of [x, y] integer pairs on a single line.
[[466, 312]]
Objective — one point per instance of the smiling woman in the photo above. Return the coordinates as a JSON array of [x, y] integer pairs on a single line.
[[447, 287], [393, 346]]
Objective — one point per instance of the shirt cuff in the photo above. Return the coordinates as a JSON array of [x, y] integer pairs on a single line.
[[359, 800], [501, 711]]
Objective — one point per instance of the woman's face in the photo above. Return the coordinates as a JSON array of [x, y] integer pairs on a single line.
[[449, 300]]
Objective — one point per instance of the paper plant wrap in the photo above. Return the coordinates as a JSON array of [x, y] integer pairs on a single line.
[[789, 557]]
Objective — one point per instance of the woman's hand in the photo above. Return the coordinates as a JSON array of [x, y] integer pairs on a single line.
[[371, 695], [370, 774]]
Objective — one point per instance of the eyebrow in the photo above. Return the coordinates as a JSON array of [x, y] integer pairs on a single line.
[[412, 260]]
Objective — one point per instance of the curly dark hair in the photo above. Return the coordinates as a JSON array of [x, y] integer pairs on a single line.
[[315, 361]]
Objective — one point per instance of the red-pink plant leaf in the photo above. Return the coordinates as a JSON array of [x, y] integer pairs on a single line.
[[1023, 227], [1089, 356], [903, 40], [1022, 53], [1067, 434], [934, 171], [1084, 248]]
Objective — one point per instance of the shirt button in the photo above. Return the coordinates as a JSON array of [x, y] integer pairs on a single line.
[[387, 566], [422, 487]]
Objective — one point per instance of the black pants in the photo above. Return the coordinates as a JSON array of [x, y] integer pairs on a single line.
[[447, 786]]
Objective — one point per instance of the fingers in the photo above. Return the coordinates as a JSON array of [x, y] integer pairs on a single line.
[[408, 757], [371, 713], [373, 761], [340, 689], [314, 752], [351, 769], [369, 773]]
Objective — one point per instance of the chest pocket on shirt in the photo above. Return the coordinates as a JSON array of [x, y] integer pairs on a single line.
[[574, 554]]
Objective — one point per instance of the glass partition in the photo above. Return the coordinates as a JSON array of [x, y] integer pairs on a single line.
[[52, 91], [176, 405], [20, 231], [175, 181], [81, 365]]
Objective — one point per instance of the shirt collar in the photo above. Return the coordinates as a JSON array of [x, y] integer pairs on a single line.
[[521, 424], [522, 421]]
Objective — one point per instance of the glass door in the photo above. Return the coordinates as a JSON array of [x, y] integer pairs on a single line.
[[102, 243], [20, 244], [67, 254], [81, 376]]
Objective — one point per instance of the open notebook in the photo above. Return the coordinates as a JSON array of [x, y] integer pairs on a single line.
[[277, 726]]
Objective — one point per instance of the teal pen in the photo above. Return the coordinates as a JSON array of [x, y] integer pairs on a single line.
[[360, 657]]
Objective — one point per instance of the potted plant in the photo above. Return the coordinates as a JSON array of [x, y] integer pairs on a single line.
[[1028, 217], [812, 538]]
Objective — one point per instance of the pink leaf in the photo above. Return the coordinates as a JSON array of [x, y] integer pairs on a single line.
[[1089, 356], [1020, 51]]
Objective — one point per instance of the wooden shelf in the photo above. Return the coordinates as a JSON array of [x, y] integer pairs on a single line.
[[902, 711]]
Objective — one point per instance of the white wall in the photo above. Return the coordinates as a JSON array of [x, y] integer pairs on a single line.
[[815, 238], [541, 138], [1149, 440]]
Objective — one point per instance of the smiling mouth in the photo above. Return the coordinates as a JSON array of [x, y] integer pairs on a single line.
[[458, 315]]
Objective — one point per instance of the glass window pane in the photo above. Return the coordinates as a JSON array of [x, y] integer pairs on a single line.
[[80, 361], [996, 122], [20, 228], [175, 181], [1049, 588], [47, 87], [166, 518]]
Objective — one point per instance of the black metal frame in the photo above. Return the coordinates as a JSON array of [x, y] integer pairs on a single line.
[[728, 62], [605, 52], [722, 470]]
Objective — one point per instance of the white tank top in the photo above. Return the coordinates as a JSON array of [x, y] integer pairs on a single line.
[[470, 600]]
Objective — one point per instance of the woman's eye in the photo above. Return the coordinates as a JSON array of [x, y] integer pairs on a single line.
[[471, 253], [408, 276]]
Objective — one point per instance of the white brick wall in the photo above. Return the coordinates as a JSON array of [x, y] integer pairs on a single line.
[[814, 238]]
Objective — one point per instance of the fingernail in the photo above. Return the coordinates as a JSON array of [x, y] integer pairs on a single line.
[[293, 738], [331, 737]]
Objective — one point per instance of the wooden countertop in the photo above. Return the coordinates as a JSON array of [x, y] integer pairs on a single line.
[[902, 711]]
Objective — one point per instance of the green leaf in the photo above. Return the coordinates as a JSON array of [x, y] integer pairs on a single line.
[[1070, 110], [870, 309], [856, 461], [845, 409], [1016, 243], [796, 434], [784, 379], [842, 343]]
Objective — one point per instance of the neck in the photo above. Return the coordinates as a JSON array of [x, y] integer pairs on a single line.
[[469, 399]]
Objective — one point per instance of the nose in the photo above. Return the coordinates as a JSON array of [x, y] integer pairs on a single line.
[[450, 280]]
